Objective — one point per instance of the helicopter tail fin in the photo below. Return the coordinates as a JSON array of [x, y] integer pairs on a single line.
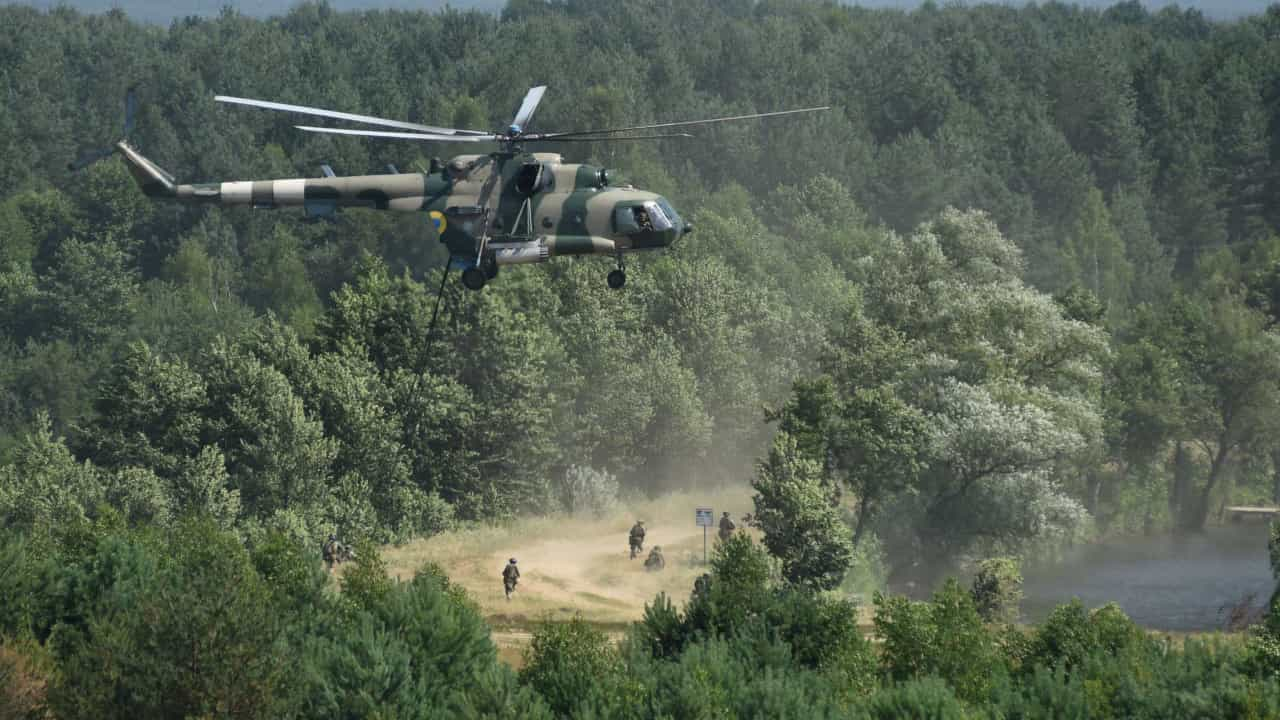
[[153, 179]]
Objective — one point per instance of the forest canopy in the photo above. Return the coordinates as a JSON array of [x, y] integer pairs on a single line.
[[1019, 283]]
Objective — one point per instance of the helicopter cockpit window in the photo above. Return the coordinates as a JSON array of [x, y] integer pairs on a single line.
[[658, 217], [647, 217], [669, 211]]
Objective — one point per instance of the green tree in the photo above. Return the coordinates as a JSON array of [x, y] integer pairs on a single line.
[[570, 664], [45, 487], [798, 511], [197, 636]]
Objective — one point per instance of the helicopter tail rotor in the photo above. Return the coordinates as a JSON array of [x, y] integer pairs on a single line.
[[90, 157]]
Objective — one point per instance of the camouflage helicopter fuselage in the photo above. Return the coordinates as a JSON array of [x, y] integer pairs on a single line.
[[489, 210]]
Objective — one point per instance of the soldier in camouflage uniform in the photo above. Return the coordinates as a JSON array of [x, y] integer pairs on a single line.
[[330, 551], [636, 538], [726, 527], [655, 560], [510, 576]]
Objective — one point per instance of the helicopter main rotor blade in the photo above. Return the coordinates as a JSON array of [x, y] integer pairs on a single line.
[[321, 112], [579, 133], [525, 113], [606, 138], [400, 135]]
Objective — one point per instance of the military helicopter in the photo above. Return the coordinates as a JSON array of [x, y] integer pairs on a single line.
[[507, 207]]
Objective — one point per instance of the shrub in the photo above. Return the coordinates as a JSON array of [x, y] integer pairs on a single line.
[[997, 589], [906, 636], [926, 699], [22, 563], [823, 635], [431, 573], [570, 663], [404, 650], [661, 632], [365, 582], [944, 637], [1070, 634], [1044, 694], [193, 634], [748, 676], [1263, 656], [25, 672], [585, 489], [294, 575], [741, 587], [497, 695], [1202, 680], [1063, 638]]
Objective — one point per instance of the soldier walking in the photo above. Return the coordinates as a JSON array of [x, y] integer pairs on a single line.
[[726, 526], [510, 576], [636, 538]]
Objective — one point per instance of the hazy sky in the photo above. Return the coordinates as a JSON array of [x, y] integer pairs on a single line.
[[164, 11]]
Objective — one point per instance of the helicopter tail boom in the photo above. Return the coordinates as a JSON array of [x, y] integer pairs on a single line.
[[154, 180], [320, 197]]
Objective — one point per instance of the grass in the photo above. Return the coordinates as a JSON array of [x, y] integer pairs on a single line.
[[574, 564]]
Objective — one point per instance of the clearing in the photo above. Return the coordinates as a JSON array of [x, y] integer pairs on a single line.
[[576, 564]]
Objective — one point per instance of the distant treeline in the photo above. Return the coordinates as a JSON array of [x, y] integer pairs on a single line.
[[1019, 282]]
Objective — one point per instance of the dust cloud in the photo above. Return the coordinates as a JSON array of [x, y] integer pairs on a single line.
[[576, 564]]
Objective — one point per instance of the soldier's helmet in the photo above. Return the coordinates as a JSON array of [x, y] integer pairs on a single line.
[[657, 548], [457, 168], [333, 536], [726, 513], [513, 561]]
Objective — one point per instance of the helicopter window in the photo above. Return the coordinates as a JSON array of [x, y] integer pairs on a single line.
[[658, 219], [670, 212], [624, 220]]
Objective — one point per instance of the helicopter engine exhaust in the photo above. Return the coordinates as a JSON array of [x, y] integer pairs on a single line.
[[521, 253]]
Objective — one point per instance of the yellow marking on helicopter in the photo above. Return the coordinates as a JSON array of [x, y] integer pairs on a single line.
[[437, 218]]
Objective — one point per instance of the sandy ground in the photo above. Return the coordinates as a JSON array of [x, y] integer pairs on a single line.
[[574, 565]]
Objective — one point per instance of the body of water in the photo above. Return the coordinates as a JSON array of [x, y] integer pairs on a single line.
[[1163, 583]]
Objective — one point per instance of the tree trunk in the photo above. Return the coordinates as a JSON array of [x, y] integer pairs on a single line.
[[1275, 476], [864, 512], [1093, 488], [1215, 474], [1180, 488]]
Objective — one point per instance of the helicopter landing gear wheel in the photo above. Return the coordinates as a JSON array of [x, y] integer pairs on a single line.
[[473, 278], [617, 279]]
